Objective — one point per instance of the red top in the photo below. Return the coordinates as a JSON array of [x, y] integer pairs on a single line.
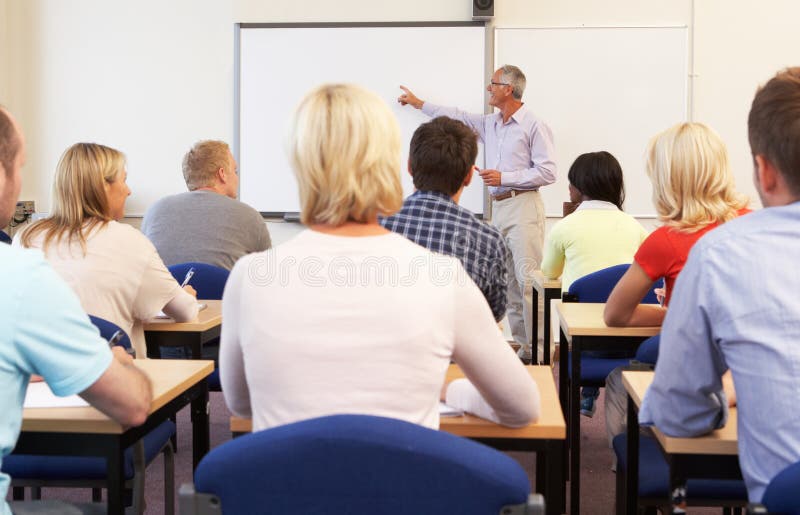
[[664, 253]]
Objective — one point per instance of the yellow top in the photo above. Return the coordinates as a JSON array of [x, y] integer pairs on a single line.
[[596, 236]]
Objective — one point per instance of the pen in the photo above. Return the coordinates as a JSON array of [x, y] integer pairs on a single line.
[[188, 277], [115, 339]]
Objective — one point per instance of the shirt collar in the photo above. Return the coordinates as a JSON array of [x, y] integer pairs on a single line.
[[596, 204]]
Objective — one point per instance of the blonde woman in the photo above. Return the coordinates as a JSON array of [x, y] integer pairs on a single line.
[[693, 192], [348, 317], [113, 268]]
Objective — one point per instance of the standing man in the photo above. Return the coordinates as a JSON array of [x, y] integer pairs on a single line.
[[735, 307], [441, 160], [44, 331], [519, 159], [206, 224]]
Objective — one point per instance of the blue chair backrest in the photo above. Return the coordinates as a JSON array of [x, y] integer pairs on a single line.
[[107, 330], [597, 286], [4, 237], [208, 280], [783, 493], [359, 464], [648, 350]]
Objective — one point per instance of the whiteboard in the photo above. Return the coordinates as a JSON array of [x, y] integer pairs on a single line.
[[601, 88], [279, 64]]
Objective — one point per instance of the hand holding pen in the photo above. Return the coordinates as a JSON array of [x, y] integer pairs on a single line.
[[185, 284], [113, 342]]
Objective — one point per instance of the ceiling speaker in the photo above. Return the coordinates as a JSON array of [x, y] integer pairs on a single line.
[[482, 9]]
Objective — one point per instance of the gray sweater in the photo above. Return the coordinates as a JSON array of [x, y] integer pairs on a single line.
[[205, 227]]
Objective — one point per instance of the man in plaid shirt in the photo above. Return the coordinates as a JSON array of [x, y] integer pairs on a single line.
[[441, 162]]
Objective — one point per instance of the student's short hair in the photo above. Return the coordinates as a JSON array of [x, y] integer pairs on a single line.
[[344, 147], [515, 78], [9, 141], [598, 176], [774, 125], [200, 164], [692, 183], [442, 151]]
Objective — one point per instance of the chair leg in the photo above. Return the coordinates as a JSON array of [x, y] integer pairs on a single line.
[[620, 498], [18, 493], [138, 477], [169, 480], [174, 438], [36, 493]]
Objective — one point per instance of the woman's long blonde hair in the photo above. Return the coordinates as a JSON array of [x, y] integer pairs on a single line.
[[79, 197], [344, 147], [692, 183]]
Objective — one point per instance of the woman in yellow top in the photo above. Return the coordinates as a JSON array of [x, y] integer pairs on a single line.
[[596, 236]]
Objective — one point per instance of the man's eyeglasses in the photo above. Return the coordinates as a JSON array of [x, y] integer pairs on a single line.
[[493, 83]]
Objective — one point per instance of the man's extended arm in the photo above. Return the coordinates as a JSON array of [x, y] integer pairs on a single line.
[[473, 121], [123, 392]]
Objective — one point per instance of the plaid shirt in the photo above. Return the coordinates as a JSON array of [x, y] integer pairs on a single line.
[[431, 219]]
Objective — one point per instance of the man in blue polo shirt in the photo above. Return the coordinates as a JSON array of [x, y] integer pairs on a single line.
[[441, 162], [44, 331]]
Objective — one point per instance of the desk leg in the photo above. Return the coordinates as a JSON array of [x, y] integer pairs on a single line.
[[535, 327], [201, 440], [550, 476], [116, 478], [632, 469], [563, 397], [548, 296], [575, 425]]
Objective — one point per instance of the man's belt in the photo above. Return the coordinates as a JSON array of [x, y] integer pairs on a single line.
[[509, 194]]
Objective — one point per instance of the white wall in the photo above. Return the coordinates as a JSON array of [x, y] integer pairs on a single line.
[[96, 69]]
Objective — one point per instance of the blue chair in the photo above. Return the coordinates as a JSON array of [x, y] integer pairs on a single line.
[[37, 471], [783, 492], [209, 282], [357, 464], [5, 238], [654, 488], [596, 287], [648, 350]]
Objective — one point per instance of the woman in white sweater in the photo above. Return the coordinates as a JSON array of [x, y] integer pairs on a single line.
[[348, 317], [114, 269]]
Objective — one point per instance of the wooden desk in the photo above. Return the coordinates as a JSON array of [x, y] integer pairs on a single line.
[[165, 332], [545, 437], [85, 431], [711, 456], [582, 328], [549, 289]]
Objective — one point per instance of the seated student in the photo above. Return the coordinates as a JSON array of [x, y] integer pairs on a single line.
[[693, 192], [206, 224], [348, 317], [440, 161], [735, 308], [597, 235], [45, 332], [113, 268]]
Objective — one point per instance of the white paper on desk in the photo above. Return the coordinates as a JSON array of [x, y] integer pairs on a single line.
[[39, 395], [445, 410], [200, 307]]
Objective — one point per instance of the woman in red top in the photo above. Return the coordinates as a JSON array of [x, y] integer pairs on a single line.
[[693, 192]]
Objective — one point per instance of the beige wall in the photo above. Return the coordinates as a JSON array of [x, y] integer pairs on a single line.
[[152, 77]]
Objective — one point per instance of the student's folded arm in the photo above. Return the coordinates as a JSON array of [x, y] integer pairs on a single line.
[[182, 307], [500, 388], [624, 307], [123, 392], [231, 358]]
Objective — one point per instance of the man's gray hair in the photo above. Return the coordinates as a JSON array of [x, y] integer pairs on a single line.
[[514, 76]]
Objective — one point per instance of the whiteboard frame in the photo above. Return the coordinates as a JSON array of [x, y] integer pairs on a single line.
[[239, 27]]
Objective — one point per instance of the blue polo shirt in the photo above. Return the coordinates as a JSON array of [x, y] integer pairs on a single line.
[[43, 330]]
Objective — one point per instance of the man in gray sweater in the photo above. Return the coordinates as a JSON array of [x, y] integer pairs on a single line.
[[206, 224]]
